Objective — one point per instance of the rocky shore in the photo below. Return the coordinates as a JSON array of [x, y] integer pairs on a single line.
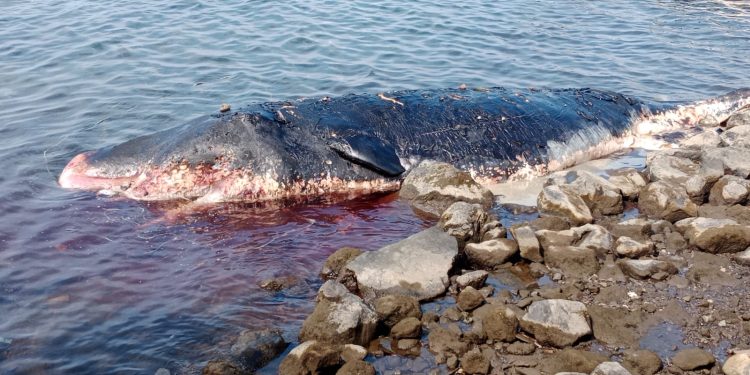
[[642, 272]]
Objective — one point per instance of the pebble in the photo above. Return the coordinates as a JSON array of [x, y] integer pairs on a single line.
[[224, 108]]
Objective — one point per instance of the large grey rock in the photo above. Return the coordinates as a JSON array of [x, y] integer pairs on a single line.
[[630, 248], [693, 359], [661, 200], [637, 229], [490, 254], [738, 136], [463, 221], [645, 268], [256, 348], [729, 190], [474, 279], [339, 317], [629, 181], [739, 363], [715, 235], [416, 266], [562, 202], [431, 187], [664, 166], [310, 357], [610, 368], [528, 244], [706, 138], [733, 159], [599, 194], [556, 322], [594, 237], [739, 118], [575, 262]]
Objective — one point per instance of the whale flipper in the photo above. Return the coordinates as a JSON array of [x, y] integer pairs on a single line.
[[370, 152]]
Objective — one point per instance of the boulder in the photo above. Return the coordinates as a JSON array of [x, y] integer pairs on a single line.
[[573, 261], [256, 348], [646, 268], [492, 230], [693, 359], [443, 341], [733, 159], [311, 357], [464, 221], [665, 166], [706, 138], [356, 368], [599, 194], [431, 187], [738, 136], [710, 269], [490, 254], [409, 328], [351, 352], [339, 317], [616, 326], [610, 368], [469, 299], [660, 200], [496, 322], [743, 257], [641, 362], [416, 266], [739, 363], [336, 262], [594, 237], [474, 279], [556, 322], [729, 190], [630, 248], [739, 118], [562, 202], [221, 367], [629, 181], [474, 362], [392, 309], [637, 229], [528, 244], [715, 235], [740, 214]]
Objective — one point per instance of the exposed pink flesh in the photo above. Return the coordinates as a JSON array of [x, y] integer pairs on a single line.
[[74, 176]]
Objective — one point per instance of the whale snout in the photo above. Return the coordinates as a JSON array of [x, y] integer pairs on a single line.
[[79, 174]]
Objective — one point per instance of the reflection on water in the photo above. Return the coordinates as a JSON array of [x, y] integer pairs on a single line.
[[99, 285]]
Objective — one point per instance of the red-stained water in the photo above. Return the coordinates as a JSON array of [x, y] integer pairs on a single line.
[[119, 286]]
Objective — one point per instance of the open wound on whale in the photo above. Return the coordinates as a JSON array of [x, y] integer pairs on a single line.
[[253, 157]]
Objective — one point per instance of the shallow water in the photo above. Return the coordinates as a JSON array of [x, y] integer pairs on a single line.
[[100, 285]]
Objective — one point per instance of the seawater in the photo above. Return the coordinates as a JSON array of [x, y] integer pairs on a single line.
[[92, 284]]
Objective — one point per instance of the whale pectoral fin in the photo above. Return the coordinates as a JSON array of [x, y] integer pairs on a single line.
[[369, 152]]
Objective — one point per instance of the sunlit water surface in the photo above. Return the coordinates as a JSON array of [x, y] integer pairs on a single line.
[[100, 285]]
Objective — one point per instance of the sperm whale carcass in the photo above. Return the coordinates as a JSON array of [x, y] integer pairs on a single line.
[[359, 144]]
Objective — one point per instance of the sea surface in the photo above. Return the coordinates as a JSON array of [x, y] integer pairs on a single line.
[[94, 285]]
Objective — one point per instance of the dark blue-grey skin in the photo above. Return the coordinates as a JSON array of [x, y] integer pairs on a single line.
[[355, 143]]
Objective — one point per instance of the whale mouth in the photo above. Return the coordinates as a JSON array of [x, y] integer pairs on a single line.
[[78, 175]]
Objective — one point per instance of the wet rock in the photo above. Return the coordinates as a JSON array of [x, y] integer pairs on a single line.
[[431, 187], [733, 159], [729, 190], [645, 268], [615, 325], [599, 194], [490, 254], [743, 257], [572, 360], [474, 362], [356, 368], [641, 362], [351, 352], [254, 349], [629, 181], [469, 299], [392, 309], [738, 136], [693, 359], [661, 200], [336, 263], [610, 368], [637, 229], [528, 245], [463, 221], [220, 367], [444, 341], [628, 247], [311, 357], [339, 317], [710, 269], [561, 202], [594, 237], [715, 235], [408, 328], [556, 322], [739, 118], [496, 322], [739, 363], [417, 266], [276, 284], [576, 262], [707, 138], [474, 279], [521, 348], [665, 166], [492, 230], [549, 238]]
